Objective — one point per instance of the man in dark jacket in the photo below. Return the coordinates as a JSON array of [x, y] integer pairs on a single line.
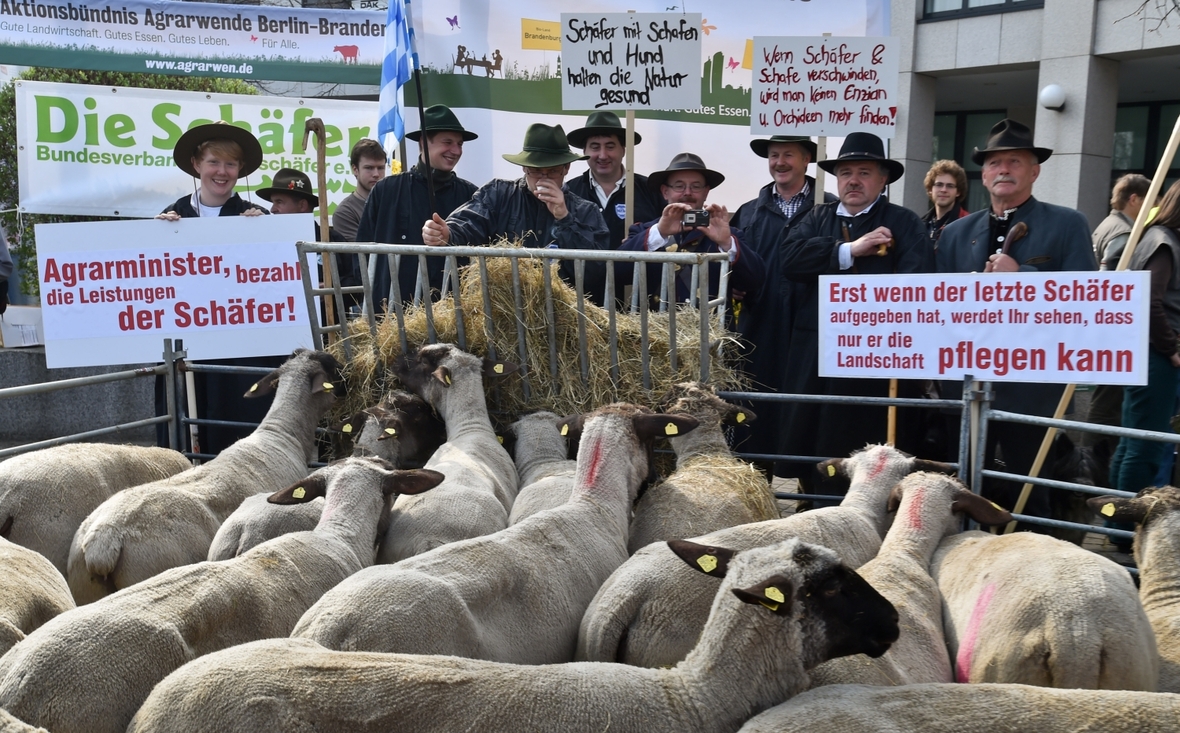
[[686, 184], [535, 209], [398, 205], [603, 140], [766, 323], [1016, 233], [861, 234], [946, 185]]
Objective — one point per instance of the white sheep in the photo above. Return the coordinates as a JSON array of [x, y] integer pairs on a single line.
[[650, 612], [1031, 609], [45, 494], [710, 488], [929, 506], [402, 429], [1156, 511], [89, 670], [516, 595], [481, 478], [9, 724], [779, 611], [32, 591], [953, 708], [546, 475], [148, 529]]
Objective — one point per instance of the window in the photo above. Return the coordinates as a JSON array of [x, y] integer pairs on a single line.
[[946, 9], [1141, 132], [956, 135]]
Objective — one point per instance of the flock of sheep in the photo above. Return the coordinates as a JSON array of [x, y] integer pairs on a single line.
[[431, 582]]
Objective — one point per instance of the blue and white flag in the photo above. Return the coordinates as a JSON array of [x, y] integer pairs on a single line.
[[395, 71]]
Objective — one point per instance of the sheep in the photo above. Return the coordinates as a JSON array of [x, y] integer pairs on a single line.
[[517, 595], [9, 724], [546, 475], [779, 611], [1157, 541], [650, 612], [32, 591], [710, 489], [929, 506], [148, 529], [1030, 609], [401, 429], [951, 708], [45, 494], [481, 478], [90, 669]]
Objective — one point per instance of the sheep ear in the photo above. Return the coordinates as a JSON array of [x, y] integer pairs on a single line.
[[776, 594], [301, 491], [6, 529], [831, 467], [321, 382], [571, 427], [263, 386], [703, 558], [492, 368], [352, 426], [980, 509], [738, 415], [389, 424], [922, 464], [649, 426], [413, 481], [894, 500], [1121, 509], [443, 375]]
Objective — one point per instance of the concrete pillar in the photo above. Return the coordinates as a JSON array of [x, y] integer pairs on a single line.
[[912, 140]]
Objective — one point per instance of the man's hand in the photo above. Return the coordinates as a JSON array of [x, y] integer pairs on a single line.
[[718, 229], [550, 194], [169, 216], [253, 212], [669, 222], [435, 232], [1000, 262], [871, 243]]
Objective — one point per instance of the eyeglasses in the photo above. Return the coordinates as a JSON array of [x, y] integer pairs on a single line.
[[940, 184], [682, 187], [554, 172]]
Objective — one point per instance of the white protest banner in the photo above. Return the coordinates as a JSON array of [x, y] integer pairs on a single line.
[[630, 60], [107, 151], [112, 291], [1065, 327], [824, 86], [195, 39]]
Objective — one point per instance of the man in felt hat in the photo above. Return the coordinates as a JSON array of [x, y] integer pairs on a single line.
[[368, 162], [217, 155], [766, 323], [946, 185], [534, 209], [604, 141], [861, 234], [290, 192], [1016, 233], [686, 184], [398, 205]]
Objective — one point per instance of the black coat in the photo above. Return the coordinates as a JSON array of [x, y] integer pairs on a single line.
[[397, 208], [648, 205], [765, 322], [234, 207], [810, 250]]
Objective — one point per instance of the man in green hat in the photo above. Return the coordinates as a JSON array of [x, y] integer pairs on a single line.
[[534, 209], [398, 205], [604, 142]]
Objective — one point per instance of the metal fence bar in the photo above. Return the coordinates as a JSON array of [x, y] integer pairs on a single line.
[[521, 346], [550, 323], [319, 336], [460, 323], [1088, 427], [423, 287], [838, 399], [46, 387], [703, 313], [670, 282], [190, 366], [644, 341], [78, 437], [1055, 484], [579, 291], [612, 330], [488, 324], [367, 310]]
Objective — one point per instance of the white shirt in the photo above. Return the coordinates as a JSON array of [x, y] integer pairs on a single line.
[[656, 241], [845, 254], [204, 210], [602, 194]]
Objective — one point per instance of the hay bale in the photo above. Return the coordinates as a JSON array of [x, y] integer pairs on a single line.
[[369, 378]]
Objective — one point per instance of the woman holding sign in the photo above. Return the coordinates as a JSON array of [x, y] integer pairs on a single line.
[[216, 154]]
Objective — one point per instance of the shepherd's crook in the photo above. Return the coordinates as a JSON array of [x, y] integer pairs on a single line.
[[316, 125]]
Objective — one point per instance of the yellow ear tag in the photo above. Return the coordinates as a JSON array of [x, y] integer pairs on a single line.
[[671, 429], [254, 387], [741, 417], [500, 438], [299, 493], [329, 386], [447, 379], [565, 429], [771, 606], [831, 470], [498, 369], [708, 563], [775, 594], [346, 428], [390, 431], [1108, 510]]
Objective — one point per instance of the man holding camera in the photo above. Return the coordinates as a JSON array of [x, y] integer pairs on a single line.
[[689, 225]]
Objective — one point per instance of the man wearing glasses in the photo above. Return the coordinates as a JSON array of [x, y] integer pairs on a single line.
[[534, 209], [687, 224], [946, 185]]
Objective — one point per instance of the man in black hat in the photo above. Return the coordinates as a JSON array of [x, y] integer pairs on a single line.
[[398, 205], [1016, 233], [604, 141], [861, 234], [216, 155], [686, 184], [766, 324], [534, 209]]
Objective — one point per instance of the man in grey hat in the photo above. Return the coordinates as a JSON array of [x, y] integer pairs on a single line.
[[604, 142], [534, 209]]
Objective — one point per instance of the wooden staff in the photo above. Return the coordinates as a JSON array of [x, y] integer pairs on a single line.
[[629, 184], [891, 425], [316, 125]]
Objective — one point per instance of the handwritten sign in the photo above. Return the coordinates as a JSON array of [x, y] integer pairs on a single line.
[[1065, 327], [630, 60], [824, 86], [112, 291]]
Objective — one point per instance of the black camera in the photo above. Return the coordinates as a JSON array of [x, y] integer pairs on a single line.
[[694, 219]]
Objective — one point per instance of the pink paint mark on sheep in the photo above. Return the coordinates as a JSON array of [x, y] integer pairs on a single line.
[[879, 464], [595, 463], [913, 512], [967, 644]]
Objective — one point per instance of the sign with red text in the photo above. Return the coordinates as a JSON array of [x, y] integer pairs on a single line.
[[805, 85], [112, 291], [1064, 327]]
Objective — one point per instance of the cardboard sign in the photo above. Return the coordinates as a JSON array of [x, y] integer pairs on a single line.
[[112, 291], [1063, 327]]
